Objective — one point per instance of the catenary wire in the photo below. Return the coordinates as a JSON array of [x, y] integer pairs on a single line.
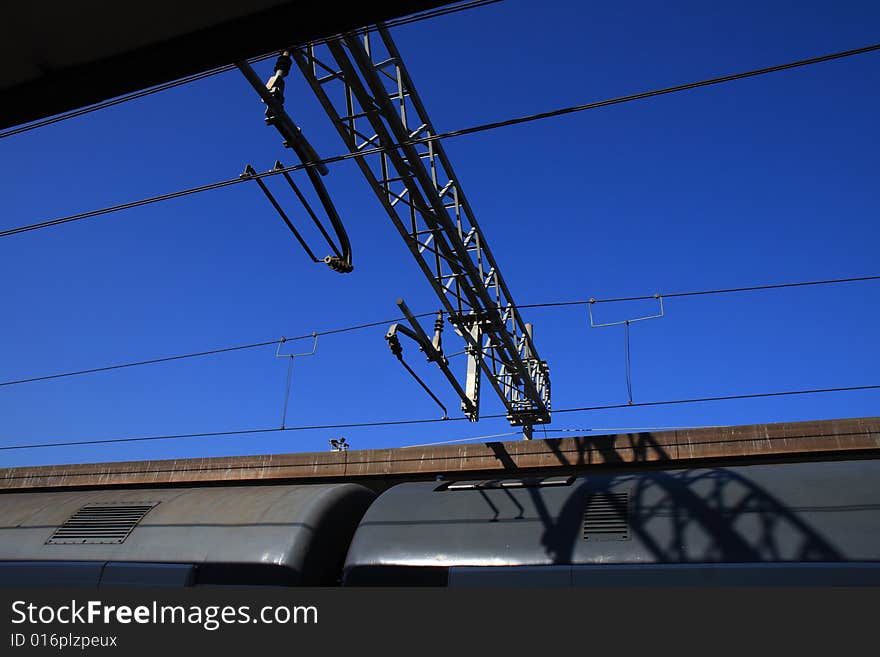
[[151, 361], [209, 352], [695, 293], [659, 92], [386, 423], [461, 440], [42, 123], [434, 13], [445, 135], [385, 322], [590, 429], [546, 430]]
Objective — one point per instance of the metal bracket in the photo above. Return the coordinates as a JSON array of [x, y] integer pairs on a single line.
[[625, 321], [367, 92], [272, 94], [433, 350], [278, 354], [626, 341]]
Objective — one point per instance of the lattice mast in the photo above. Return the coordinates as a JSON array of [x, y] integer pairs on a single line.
[[366, 90]]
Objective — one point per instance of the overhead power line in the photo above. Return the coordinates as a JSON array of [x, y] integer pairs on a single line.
[[700, 400], [406, 20], [446, 135], [462, 440], [208, 352], [386, 423], [661, 92], [581, 431], [628, 429], [695, 293], [42, 123], [152, 361], [392, 320]]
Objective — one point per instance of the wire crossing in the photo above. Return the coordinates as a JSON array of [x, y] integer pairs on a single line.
[[445, 135], [406, 20], [386, 322], [386, 423], [198, 354]]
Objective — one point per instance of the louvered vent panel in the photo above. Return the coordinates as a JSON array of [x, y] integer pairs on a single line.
[[606, 517], [101, 523]]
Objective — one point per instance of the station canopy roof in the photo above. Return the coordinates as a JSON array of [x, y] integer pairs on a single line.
[[56, 56]]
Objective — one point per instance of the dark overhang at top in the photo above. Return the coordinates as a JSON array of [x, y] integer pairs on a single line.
[[56, 56]]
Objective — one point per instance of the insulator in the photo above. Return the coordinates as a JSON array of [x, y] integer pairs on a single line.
[[338, 264], [394, 345], [275, 85], [282, 64]]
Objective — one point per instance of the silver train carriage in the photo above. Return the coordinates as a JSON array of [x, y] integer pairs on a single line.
[[809, 523]]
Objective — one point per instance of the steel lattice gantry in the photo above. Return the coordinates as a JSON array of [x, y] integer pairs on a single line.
[[366, 90]]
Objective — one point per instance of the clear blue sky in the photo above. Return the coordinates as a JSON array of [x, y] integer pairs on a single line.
[[759, 181]]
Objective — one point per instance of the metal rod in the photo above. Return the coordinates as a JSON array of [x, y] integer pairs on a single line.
[[626, 352], [281, 120], [287, 393], [273, 96], [424, 386], [305, 203], [249, 172], [278, 354], [423, 338]]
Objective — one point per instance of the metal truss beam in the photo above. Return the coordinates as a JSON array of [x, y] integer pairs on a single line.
[[366, 90]]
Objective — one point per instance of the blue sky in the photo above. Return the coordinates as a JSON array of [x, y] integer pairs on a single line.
[[759, 181]]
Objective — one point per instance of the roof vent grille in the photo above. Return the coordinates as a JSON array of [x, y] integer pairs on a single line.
[[101, 523], [606, 517]]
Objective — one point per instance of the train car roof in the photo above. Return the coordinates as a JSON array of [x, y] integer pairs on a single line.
[[289, 529], [797, 512]]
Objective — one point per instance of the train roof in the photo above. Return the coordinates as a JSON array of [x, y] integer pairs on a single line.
[[296, 533], [796, 512]]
